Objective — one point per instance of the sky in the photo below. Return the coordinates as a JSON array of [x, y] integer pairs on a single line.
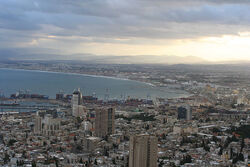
[[213, 30]]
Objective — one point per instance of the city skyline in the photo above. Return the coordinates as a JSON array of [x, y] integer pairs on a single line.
[[124, 83], [214, 31]]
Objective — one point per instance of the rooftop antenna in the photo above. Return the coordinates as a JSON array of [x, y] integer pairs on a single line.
[[148, 96], [106, 96], [27, 91], [123, 97], [61, 91], [1, 94], [94, 94]]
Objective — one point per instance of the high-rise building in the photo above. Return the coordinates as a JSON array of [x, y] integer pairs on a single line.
[[184, 113], [91, 143], [143, 151], [76, 103], [104, 122], [38, 125], [59, 96]]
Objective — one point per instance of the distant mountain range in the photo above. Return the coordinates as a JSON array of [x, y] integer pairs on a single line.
[[144, 59], [41, 54]]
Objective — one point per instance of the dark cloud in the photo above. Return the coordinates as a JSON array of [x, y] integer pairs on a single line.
[[104, 20], [75, 14]]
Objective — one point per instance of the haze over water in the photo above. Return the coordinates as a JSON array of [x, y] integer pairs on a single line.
[[50, 83]]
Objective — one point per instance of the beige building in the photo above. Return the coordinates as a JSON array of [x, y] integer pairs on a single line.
[[47, 125], [38, 125], [50, 125], [184, 129], [104, 122], [79, 111], [143, 151], [91, 143]]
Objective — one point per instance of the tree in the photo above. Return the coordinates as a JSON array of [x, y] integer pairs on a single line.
[[221, 151], [81, 161], [215, 130], [6, 158], [163, 136], [234, 139], [227, 142], [243, 131], [106, 138], [231, 153], [186, 159], [79, 148], [214, 138], [242, 144], [161, 164], [79, 120], [33, 163], [113, 161], [11, 142], [205, 146], [208, 120], [95, 162], [235, 160], [238, 157], [172, 164], [106, 152], [57, 164], [19, 163], [61, 149]]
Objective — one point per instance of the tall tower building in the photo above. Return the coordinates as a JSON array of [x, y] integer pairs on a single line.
[[38, 125], [184, 113], [104, 122], [143, 151], [76, 102]]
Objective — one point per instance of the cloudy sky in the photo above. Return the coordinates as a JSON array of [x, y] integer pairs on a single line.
[[214, 30]]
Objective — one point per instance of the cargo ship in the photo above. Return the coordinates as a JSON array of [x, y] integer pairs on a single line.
[[26, 95], [9, 104]]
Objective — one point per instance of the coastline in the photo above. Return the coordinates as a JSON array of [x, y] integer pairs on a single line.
[[80, 74], [181, 94]]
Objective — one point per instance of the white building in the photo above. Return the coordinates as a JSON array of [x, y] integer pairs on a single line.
[[87, 126], [77, 107]]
